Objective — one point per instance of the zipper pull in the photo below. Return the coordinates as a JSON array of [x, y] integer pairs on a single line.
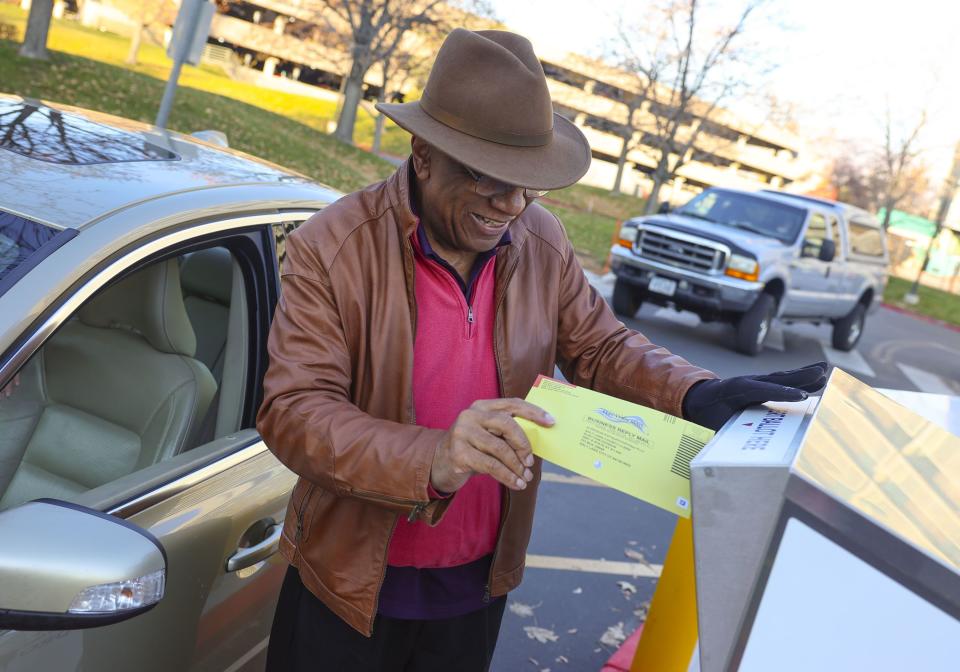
[[415, 512], [486, 594], [470, 314]]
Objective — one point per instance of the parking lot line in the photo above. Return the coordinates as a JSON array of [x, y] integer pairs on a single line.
[[597, 566], [926, 381], [851, 361]]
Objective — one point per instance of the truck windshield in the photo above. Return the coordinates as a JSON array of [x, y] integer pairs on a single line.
[[743, 211]]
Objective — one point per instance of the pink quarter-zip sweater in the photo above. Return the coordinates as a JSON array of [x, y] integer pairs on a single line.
[[453, 366]]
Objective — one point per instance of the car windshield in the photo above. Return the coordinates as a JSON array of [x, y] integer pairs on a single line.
[[744, 211], [23, 243]]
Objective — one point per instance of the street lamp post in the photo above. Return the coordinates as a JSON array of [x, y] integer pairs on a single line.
[[189, 36]]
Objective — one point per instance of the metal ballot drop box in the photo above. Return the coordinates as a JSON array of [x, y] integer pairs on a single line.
[[827, 536]]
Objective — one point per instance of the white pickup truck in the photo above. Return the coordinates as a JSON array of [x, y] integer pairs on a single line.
[[750, 257]]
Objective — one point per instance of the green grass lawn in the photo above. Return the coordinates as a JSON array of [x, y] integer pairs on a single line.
[[87, 69], [935, 303]]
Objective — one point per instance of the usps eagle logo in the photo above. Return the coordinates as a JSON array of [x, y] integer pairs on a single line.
[[634, 420]]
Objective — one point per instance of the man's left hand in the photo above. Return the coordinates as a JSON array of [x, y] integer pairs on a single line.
[[711, 403]]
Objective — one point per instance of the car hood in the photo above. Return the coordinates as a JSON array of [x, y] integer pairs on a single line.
[[739, 240]]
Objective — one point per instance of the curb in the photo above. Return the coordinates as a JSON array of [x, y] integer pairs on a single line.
[[920, 316]]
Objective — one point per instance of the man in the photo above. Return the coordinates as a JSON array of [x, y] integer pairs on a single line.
[[415, 316]]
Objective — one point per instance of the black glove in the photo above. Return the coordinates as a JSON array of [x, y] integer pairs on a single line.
[[712, 402]]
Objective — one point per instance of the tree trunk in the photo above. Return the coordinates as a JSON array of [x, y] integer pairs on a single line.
[[621, 164], [135, 40], [652, 203], [378, 132], [887, 212], [352, 94], [38, 26]]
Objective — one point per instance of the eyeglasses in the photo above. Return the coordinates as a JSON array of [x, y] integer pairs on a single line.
[[487, 186]]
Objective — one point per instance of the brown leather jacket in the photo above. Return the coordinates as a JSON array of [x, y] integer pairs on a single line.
[[337, 407]]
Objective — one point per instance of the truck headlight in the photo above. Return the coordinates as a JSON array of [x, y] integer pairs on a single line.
[[745, 268], [627, 236]]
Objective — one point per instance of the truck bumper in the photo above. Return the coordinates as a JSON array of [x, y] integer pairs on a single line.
[[707, 295]]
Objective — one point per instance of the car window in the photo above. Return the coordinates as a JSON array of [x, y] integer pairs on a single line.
[[835, 235], [150, 367], [865, 239], [23, 243], [815, 235]]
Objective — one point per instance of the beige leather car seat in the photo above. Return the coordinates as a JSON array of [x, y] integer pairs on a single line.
[[116, 389], [214, 294], [207, 278]]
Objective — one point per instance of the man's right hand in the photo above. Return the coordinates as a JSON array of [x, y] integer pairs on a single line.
[[485, 439]]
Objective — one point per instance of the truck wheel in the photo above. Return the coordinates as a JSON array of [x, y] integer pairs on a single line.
[[626, 298], [847, 330], [754, 325]]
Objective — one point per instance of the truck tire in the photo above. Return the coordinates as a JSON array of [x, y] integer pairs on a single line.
[[848, 329], [754, 325], [626, 298]]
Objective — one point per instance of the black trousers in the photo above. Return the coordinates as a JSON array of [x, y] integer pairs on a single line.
[[307, 636]]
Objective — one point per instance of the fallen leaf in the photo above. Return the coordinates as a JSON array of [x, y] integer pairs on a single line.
[[642, 611], [577, 591], [597, 650], [636, 555], [562, 659], [534, 661], [521, 609], [542, 635], [572, 631], [545, 669], [627, 587], [614, 635], [632, 543]]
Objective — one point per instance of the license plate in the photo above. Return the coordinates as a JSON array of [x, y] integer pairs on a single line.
[[663, 286]]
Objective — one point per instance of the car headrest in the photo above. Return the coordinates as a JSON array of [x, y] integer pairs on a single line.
[[150, 303], [208, 274]]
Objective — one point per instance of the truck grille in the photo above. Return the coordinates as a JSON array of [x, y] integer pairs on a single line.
[[678, 252]]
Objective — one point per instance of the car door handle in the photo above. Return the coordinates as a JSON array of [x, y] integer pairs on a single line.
[[244, 557]]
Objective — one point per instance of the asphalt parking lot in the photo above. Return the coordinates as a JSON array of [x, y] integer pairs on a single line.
[[595, 553]]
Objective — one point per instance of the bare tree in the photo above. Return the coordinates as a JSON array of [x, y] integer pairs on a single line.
[[898, 163], [148, 12], [409, 64], [685, 65], [373, 30], [853, 179], [396, 71], [38, 27]]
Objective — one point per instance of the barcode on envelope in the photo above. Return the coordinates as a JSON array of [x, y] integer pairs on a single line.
[[688, 449]]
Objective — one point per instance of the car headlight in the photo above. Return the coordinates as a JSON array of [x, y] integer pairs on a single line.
[[627, 236], [745, 268]]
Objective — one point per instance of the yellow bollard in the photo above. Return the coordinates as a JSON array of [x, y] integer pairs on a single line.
[[669, 637]]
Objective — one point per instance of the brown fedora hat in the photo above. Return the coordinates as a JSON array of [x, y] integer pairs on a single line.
[[487, 105]]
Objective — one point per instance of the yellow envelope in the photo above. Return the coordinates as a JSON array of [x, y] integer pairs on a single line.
[[632, 448]]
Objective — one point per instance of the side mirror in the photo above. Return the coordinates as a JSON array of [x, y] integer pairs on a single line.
[[828, 250], [663, 208], [65, 566]]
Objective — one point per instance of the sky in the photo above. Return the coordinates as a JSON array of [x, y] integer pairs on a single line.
[[841, 61]]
